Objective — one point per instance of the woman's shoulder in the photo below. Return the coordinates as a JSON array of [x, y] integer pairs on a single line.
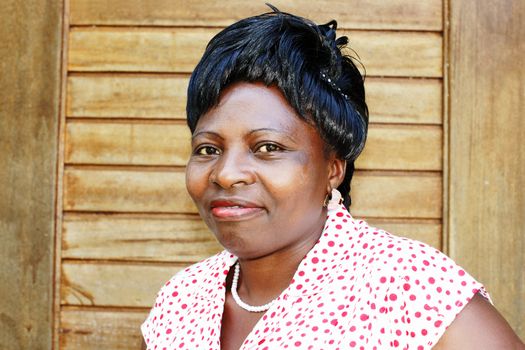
[[419, 288], [197, 280]]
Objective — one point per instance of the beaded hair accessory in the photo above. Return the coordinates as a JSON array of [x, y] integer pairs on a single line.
[[333, 85]]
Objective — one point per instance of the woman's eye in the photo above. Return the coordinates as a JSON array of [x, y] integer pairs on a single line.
[[269, 147], [206, 151]]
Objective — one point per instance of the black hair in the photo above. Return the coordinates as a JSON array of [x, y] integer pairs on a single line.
[[305, 61]]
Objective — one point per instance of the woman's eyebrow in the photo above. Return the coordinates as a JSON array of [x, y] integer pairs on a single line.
[[206, 133], [280, 132]]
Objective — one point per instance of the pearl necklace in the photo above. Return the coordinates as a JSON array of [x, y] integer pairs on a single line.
[[238, 300]]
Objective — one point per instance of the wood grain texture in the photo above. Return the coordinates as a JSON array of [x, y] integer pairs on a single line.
[[88, 329], [396, 195], [177, 238], [137, 49], [140, 190], [127, 143], [137, 237], [369, 14], [407, 101], [178, 50], [394, 147], [127, 96], [113, 284], [164, 96], [487, 162], [401, 147], [30, 49], [398, 54]]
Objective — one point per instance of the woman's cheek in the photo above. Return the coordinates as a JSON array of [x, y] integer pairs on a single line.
[[196, 180]]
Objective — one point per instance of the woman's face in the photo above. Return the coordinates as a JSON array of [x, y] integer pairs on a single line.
[[259, 174]]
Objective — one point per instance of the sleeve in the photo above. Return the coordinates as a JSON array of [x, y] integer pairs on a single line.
[[150, 324], [166, 299], [433, 290]]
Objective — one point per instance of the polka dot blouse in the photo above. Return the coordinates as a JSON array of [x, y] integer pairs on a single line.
[[358, 288]]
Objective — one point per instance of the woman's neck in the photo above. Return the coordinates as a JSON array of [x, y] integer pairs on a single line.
[[263, 279]]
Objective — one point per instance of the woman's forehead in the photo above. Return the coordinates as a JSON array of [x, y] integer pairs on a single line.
[[252, 106]]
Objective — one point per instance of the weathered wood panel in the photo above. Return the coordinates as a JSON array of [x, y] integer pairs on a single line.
[[410, 101], [177, 238], [396, 195], [398, 147], [30, 74], [369, 14], [127, 143], [394, 147], [137, 50], [112, 284], [164, 96], [399, 54], [141, 190], [487, 148], [179, 50], [88, 329], [137, 237], [114, 190], [127, 96]]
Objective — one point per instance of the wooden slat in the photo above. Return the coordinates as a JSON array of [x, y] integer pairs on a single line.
[[127, 96], [132, 49], [127, 143], [409, 101], [149, 96], [376, 14], [108, 284], [427, 231], [398, 147], [178, 50], [125, 237], [178, 239], [397, 195], [395, 54], [88, 329], [376, 194], [395, 147], [126, 190]]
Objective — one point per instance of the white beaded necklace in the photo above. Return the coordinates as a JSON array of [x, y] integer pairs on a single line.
[[238, 300]]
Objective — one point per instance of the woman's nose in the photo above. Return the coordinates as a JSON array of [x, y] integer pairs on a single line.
[[233, 169]]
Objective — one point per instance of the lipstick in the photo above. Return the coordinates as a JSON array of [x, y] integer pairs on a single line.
[[234, 209]]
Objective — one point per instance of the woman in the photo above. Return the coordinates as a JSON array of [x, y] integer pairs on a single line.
[[278, 117]]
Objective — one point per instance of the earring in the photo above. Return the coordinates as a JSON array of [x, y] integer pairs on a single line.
[[333, 200]]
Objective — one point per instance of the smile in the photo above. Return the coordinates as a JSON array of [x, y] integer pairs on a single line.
[[227, 210]]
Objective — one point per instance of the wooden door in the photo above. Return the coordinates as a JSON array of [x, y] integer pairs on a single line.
[[126, 223]]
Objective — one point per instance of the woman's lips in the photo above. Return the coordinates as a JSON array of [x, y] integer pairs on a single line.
[[233, 210]]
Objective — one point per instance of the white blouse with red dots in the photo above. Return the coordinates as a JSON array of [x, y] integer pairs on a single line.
[[358, 288]]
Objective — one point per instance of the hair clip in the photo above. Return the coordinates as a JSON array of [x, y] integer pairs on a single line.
[[333, 85]]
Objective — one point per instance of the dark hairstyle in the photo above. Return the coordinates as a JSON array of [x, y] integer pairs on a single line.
[[305, 62]]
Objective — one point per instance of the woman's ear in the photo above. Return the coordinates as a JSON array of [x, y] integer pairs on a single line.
[[336, 172]]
